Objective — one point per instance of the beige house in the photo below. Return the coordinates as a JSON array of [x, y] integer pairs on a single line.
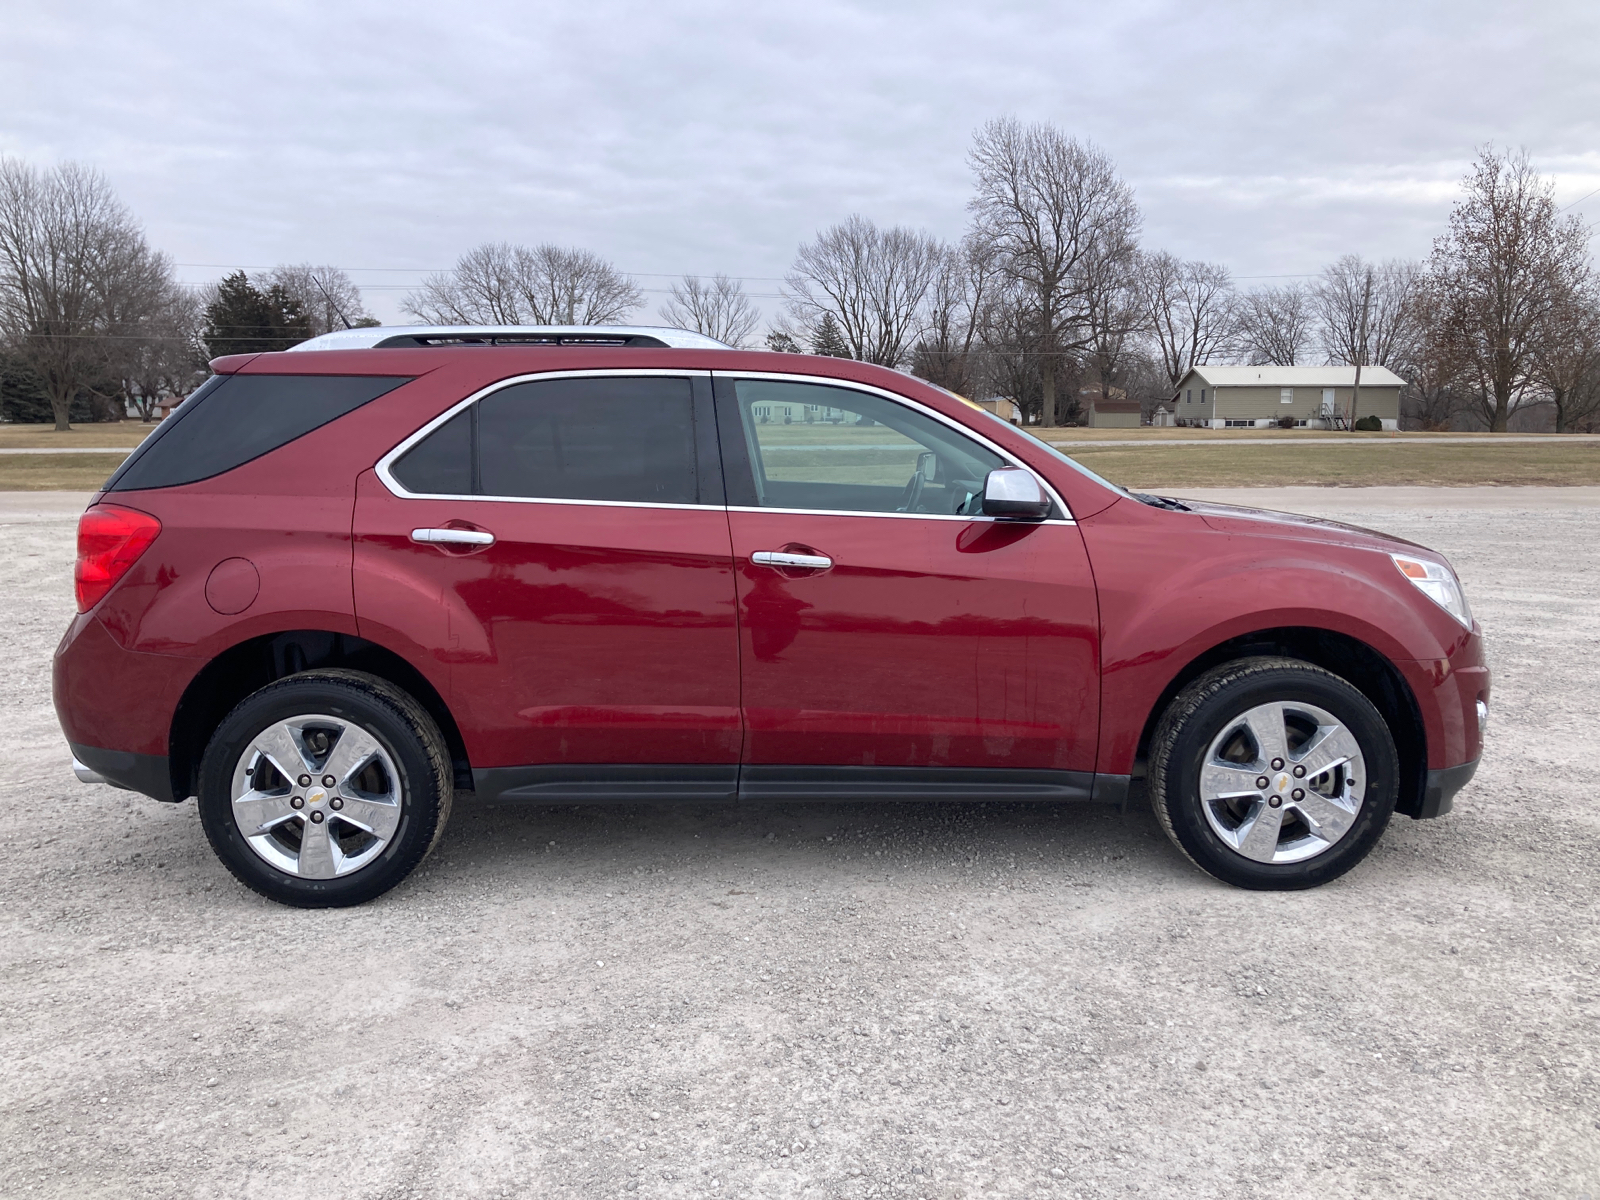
[[1108, 410], [1111, 414], [1003, 407], [1245, 397]]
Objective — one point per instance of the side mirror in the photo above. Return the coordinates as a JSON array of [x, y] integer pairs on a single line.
[[1015, 494]]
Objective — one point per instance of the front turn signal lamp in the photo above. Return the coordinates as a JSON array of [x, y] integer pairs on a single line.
[[110, 540], [1438, 583]]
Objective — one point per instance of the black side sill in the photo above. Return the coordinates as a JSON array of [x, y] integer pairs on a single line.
[[568, 783]]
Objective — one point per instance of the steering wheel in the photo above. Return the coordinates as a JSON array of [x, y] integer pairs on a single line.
[[912, 496]]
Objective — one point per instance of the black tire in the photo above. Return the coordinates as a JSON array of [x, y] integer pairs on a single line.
[[404, 730], [1206, 709]]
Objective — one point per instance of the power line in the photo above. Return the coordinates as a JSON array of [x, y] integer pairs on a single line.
[[448, 270], [1581, 199]]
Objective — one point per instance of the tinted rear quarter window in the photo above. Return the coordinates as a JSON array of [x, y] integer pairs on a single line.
[[233, 419]]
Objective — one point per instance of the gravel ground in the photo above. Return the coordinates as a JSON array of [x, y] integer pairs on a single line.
[[851, 1001]]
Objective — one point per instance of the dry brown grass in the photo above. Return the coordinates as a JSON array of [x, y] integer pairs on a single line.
[[1373, 465], [55, 472], [122, 433]]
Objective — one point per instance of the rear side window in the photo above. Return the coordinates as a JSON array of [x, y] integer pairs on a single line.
[[235, 418], [441, 463], [622, 439]]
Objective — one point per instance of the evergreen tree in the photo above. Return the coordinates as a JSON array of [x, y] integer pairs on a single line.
[[244, 319], [781, 343], [827, 339]]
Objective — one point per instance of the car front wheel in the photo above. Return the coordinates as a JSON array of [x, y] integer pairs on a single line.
[[1273, 774], [325, 789]]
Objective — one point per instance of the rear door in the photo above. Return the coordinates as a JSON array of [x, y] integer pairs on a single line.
[[557, 551], [886, 626]]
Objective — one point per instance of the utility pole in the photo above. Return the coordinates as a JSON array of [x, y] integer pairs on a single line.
[[1361, 351]]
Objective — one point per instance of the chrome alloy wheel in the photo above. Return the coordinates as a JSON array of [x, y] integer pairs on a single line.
[[1282, 782], [316, 796]]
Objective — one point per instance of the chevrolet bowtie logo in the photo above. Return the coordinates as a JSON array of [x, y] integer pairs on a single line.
[[1283, 783]]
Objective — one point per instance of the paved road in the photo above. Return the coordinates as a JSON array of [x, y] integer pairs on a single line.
[[827, 1000]]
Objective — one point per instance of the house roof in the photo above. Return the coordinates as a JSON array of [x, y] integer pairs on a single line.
[[1281, 377], [1115, 406]]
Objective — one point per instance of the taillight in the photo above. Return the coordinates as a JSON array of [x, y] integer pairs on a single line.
[[110, 540]]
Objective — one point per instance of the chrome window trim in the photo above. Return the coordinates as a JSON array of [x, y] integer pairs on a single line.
[[385, 476], [896, 397], [383, 472]]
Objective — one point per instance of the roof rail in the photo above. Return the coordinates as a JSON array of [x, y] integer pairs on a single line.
[[377, 337]]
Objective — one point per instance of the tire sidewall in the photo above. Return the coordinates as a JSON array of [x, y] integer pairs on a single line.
[[1193, 737], [419, 800]]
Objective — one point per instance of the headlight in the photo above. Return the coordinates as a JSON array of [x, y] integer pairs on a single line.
[[1438, 583]]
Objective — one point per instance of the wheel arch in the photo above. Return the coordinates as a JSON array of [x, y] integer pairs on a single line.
[[1345, 656], [250, 665]]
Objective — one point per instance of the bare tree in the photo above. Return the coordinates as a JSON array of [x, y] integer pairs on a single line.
[[1190, 310], [1438, 384], [872, 281], [74, 268], [1352, 296], [1366, 313], [501, 284], [962, 288], [161, 355], [328, 296], [1052, 206], [718, 309], [1506, 260], [1008, 363], [1113, 318], [1566, 354], [1276, 326]]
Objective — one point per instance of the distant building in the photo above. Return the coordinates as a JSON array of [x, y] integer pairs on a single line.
[[1109, 410], [1003, 407], [1244, 397]]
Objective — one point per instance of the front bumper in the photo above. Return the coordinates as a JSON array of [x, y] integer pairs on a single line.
[[1439, 793]]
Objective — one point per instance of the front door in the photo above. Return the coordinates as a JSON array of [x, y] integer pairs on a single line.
[[887, 627], [556, 557]]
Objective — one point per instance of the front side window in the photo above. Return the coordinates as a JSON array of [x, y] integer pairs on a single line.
[[627, 439], [842, 450]]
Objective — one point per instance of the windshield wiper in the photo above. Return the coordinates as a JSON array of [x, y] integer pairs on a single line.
[[1160, 501]]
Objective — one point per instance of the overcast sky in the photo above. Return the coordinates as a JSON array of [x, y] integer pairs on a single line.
[[387, 138]]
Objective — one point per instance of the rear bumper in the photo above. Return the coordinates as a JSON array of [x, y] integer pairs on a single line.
[[146, 773], [1439, 793]]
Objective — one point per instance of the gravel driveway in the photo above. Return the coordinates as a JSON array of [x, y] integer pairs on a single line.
[[847, 1000]]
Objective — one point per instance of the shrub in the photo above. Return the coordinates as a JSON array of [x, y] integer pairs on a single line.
[[1368, 424], [1285, 422]]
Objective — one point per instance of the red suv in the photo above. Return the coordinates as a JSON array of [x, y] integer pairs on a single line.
[[334, 588]]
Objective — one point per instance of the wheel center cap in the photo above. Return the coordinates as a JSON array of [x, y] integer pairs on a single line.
[[1281, 784], [316, 796]]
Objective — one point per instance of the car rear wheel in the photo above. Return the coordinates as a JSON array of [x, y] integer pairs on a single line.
[[1273, 774], [325, 789]]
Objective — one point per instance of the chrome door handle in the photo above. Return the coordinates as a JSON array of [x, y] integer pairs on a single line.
[[781, 558], [453, 537]]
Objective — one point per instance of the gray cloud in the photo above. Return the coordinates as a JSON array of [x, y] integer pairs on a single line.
[[707, 136]]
